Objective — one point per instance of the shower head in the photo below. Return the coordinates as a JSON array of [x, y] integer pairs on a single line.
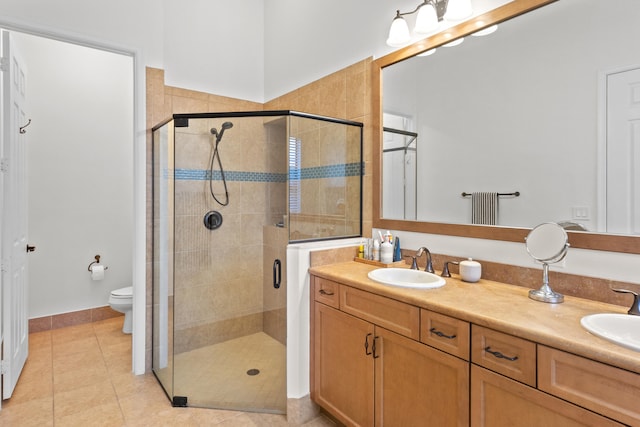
[[218, 135]]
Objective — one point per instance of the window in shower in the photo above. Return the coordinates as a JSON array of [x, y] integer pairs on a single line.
[[294, 175], [230, 192]]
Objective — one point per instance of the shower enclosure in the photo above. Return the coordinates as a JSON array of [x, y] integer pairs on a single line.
[[230, 191]]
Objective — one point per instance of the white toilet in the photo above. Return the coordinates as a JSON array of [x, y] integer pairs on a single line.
[[122, 300]]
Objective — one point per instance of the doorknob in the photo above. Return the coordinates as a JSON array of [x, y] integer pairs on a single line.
[[30, 248]]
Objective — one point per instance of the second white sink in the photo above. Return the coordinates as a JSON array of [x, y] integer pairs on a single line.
[[406, 278], [622, 329]]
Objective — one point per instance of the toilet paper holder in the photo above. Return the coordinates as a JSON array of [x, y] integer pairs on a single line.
[[97, 261]]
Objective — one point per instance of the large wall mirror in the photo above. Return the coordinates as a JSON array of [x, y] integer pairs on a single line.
[[542, 108]]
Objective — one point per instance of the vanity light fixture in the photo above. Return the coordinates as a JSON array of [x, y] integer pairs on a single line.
[[429, 15]]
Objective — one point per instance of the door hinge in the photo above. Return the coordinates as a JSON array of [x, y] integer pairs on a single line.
[[4, 63], [4, 367], [4, 165]]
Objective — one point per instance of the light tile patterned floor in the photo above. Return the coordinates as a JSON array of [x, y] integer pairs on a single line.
[[80, 376]]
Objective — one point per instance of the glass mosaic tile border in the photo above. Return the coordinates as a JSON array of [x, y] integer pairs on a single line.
[[331, 171]]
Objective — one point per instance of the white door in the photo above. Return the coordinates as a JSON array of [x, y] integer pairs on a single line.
[[14, 218], [623, 152]]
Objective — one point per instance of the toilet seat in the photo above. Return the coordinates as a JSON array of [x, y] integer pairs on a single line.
[[122, 293]]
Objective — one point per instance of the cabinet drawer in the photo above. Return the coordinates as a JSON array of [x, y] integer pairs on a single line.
[[386, 312], [445, 333], [500, 401], [326, 292], [605, 389], [508, 355]]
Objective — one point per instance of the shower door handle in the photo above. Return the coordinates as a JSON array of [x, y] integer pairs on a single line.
[[277, 273]]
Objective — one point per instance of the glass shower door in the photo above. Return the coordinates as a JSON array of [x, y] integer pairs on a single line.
[[230, 289], [163, 248], [231, 190]]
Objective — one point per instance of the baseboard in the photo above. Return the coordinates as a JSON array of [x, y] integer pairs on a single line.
[[72, 318]]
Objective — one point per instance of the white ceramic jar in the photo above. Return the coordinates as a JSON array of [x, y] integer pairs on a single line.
[[470, 270]]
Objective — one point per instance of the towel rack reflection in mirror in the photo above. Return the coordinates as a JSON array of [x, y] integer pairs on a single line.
[[514, 194]]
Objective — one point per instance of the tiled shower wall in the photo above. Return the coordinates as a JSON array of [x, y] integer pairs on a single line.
[[330, 171], [344, 94]]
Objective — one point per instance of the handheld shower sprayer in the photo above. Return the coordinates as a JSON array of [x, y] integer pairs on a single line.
[[218, 135], [215, 155]]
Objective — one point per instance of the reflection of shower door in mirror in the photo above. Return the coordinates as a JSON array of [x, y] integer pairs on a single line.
[[399, 185], [623, 152]]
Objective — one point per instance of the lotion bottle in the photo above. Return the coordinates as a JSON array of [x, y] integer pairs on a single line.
[[376, 250], [386, 252]]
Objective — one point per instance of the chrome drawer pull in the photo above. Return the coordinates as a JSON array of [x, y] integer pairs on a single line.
[[323, 292], [500, 355], [442, 335]]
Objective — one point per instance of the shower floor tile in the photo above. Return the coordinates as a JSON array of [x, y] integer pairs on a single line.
[[219, 375]]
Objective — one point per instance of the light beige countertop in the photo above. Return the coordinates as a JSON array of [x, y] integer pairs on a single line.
[[503, 307]]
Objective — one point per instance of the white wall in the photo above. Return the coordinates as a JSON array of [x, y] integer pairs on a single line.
[[307, 40], [215, 47], [80, 146], [135, 24]]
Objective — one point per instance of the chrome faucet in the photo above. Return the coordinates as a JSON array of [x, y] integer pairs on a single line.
[[429, 266]]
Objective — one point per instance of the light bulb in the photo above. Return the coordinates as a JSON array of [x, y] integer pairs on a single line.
[[458, 10], [427, 19], [399, 32]]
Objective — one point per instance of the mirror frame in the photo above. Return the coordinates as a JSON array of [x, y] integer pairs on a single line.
[[584, 240]]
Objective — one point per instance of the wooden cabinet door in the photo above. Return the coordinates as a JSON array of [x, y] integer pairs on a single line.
[[417, 385], [343, 371], [500, 401]]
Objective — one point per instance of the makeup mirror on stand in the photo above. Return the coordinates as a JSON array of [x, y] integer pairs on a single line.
[[547, 243]]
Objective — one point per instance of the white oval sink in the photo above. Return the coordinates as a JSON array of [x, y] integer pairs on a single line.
[[622, 329], [406, 278]]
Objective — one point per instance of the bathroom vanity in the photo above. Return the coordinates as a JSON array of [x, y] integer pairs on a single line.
[[480, 354]]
